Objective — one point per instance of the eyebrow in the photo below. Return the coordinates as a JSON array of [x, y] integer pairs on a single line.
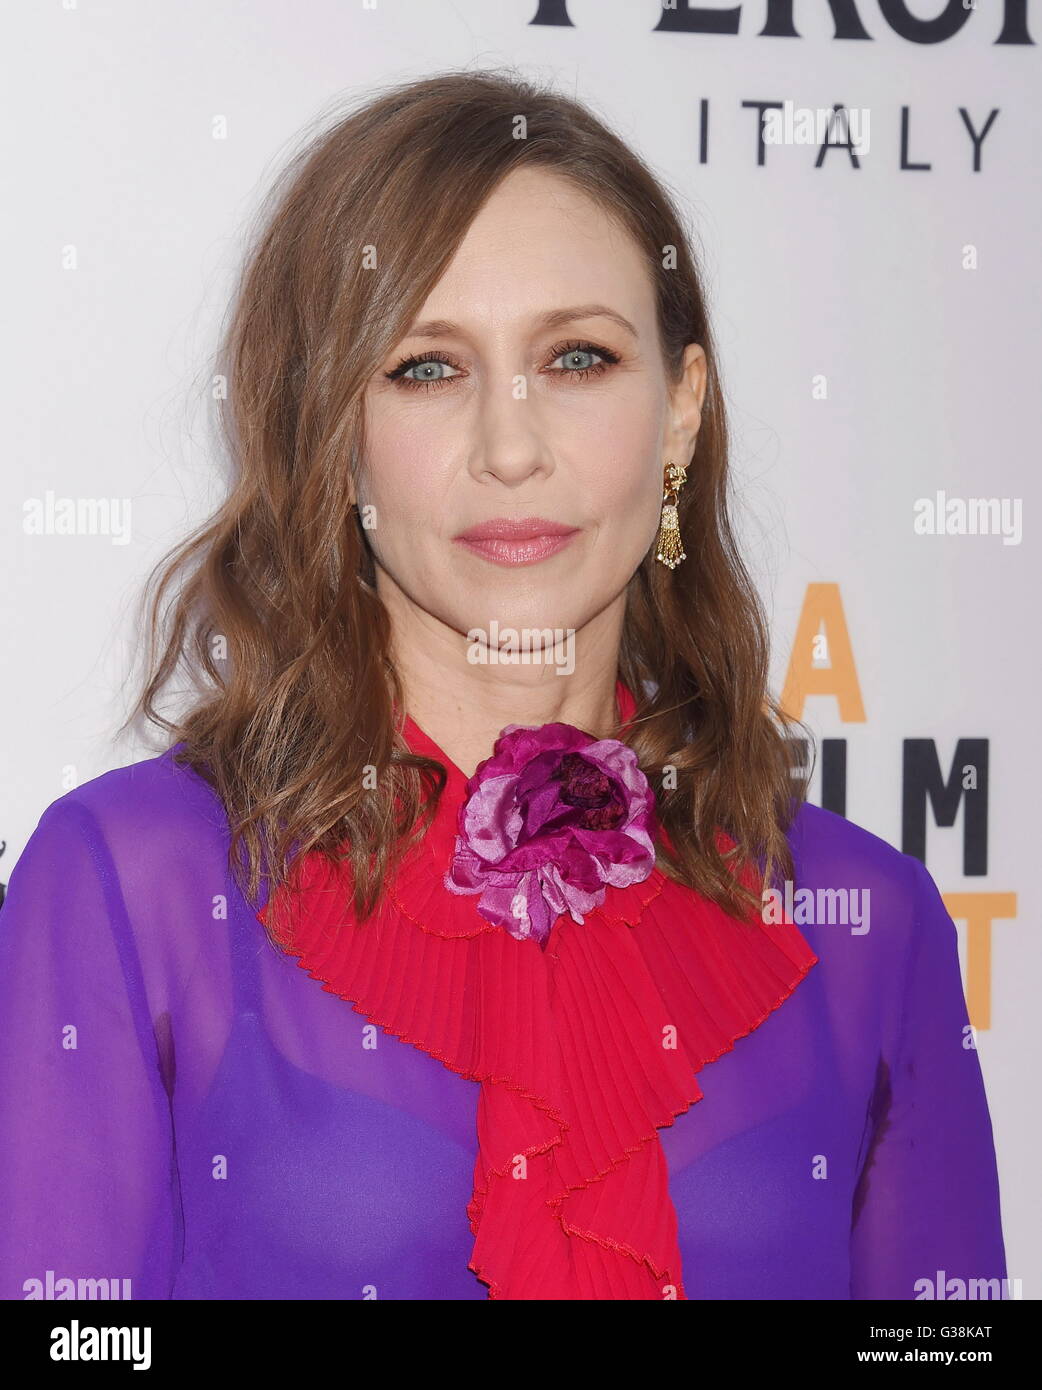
[[556, 318]]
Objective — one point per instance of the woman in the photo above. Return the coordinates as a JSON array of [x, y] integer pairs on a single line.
[[482, 737]]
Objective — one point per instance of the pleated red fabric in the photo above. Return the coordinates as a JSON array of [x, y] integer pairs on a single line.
[[583, 1050]]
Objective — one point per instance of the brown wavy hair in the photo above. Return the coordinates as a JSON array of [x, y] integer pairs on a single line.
[[276, 618]]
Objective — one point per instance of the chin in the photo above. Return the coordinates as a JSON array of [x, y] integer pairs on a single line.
[[521, 634]]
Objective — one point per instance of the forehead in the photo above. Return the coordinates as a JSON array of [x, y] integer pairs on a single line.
[[540, 241]]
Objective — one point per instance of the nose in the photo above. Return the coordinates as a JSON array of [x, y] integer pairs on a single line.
[[510, 446]]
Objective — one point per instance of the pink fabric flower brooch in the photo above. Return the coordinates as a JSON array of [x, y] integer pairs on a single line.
[[550, 819]]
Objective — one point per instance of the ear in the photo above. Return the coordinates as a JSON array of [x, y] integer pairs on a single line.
[[685, 406]]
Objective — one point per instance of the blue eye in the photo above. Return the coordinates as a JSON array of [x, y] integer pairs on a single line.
[[579, 352], [580, 356], [429, 369]]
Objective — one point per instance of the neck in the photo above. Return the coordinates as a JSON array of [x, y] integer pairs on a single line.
[[464, 705]]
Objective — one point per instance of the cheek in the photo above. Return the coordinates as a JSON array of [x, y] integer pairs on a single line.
[[402, 477], [623, 469]]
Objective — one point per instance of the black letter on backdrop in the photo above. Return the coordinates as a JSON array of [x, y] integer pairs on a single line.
[[922, 780], [779, 24], [698, 21], [552, 12]]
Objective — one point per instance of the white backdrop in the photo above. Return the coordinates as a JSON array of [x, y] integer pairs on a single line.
[[880, 338]]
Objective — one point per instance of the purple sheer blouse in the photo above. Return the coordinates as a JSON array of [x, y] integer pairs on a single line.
[[185, 1114]]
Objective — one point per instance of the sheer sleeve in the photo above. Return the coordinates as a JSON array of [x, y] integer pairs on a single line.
[[926, 1211], [87, 1176]]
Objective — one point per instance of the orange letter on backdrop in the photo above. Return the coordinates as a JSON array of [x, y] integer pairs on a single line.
[[979, 910], [823, 626]]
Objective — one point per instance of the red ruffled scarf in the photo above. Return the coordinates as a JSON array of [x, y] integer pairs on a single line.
[[583, 1051]]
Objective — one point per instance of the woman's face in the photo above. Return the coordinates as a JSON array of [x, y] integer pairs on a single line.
[[488, 411]]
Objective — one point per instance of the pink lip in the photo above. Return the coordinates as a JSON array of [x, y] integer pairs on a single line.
[[522, 542]]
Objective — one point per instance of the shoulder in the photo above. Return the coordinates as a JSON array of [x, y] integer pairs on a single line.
[[144, 827], [828, 847], [136, 856], [154, 795], [845, 866]]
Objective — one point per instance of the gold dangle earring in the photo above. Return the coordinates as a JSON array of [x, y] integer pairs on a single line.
[[670, 548]]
